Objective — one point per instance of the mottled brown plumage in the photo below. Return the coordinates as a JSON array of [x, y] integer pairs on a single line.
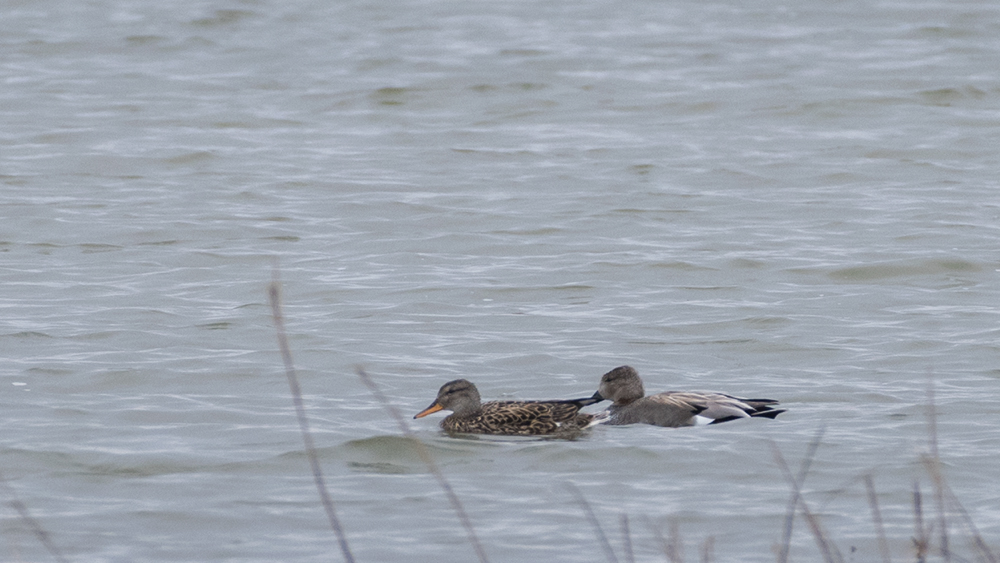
[[623, 386], [507, 418]]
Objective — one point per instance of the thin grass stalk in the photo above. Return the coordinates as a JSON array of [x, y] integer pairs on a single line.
[[660, 539], [432, 466], [921, 538], [937, 478], [676, 544], [883, 543], [627, 540], [793, 502], [274, 294], [984, 554], [33, 525], [708, 550], [826, 547], [609, 553]]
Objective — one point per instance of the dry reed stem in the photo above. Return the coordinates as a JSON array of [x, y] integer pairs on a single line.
[[883, 543], [33, 525], [425, 456], [658, 534], [934, 468], [943, 492], [708, 550], [627, 540], [676, 544], [793, 502], [609, 553], [921, 538], [826, 547], [274, 295], [672, 548], [984, 553]]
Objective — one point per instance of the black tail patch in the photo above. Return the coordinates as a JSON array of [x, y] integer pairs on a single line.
[[762, 413]]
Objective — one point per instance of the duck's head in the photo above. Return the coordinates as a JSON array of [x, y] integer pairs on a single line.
[[621, 385], [459, 396]]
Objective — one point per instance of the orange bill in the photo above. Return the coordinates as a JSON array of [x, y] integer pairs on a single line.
[[431, 409]]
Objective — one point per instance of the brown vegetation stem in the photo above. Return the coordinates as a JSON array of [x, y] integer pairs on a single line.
[[984, 553], [274, 294], [589, 513], [920, 540], [830, 552], [883, 544], [425, 456], [29, 520], [708, 550], [676, 545], [793, 502], [935, 469], [627, 540], [661, 539]]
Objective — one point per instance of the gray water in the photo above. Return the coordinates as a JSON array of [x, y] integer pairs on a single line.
[[788, 200]]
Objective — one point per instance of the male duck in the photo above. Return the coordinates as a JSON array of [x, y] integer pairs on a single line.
[[508, 418], [673, 408]]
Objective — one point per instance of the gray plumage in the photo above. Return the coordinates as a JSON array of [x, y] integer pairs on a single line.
[[623, 386]]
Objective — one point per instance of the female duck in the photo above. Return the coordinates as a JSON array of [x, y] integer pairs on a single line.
[[507, 418], [623, 386]]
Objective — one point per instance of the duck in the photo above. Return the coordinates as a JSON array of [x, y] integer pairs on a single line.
[[673, 409], [508, 418]]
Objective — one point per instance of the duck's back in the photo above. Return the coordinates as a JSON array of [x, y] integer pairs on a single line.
[[684, 408], [663, 409], [521, 418]]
